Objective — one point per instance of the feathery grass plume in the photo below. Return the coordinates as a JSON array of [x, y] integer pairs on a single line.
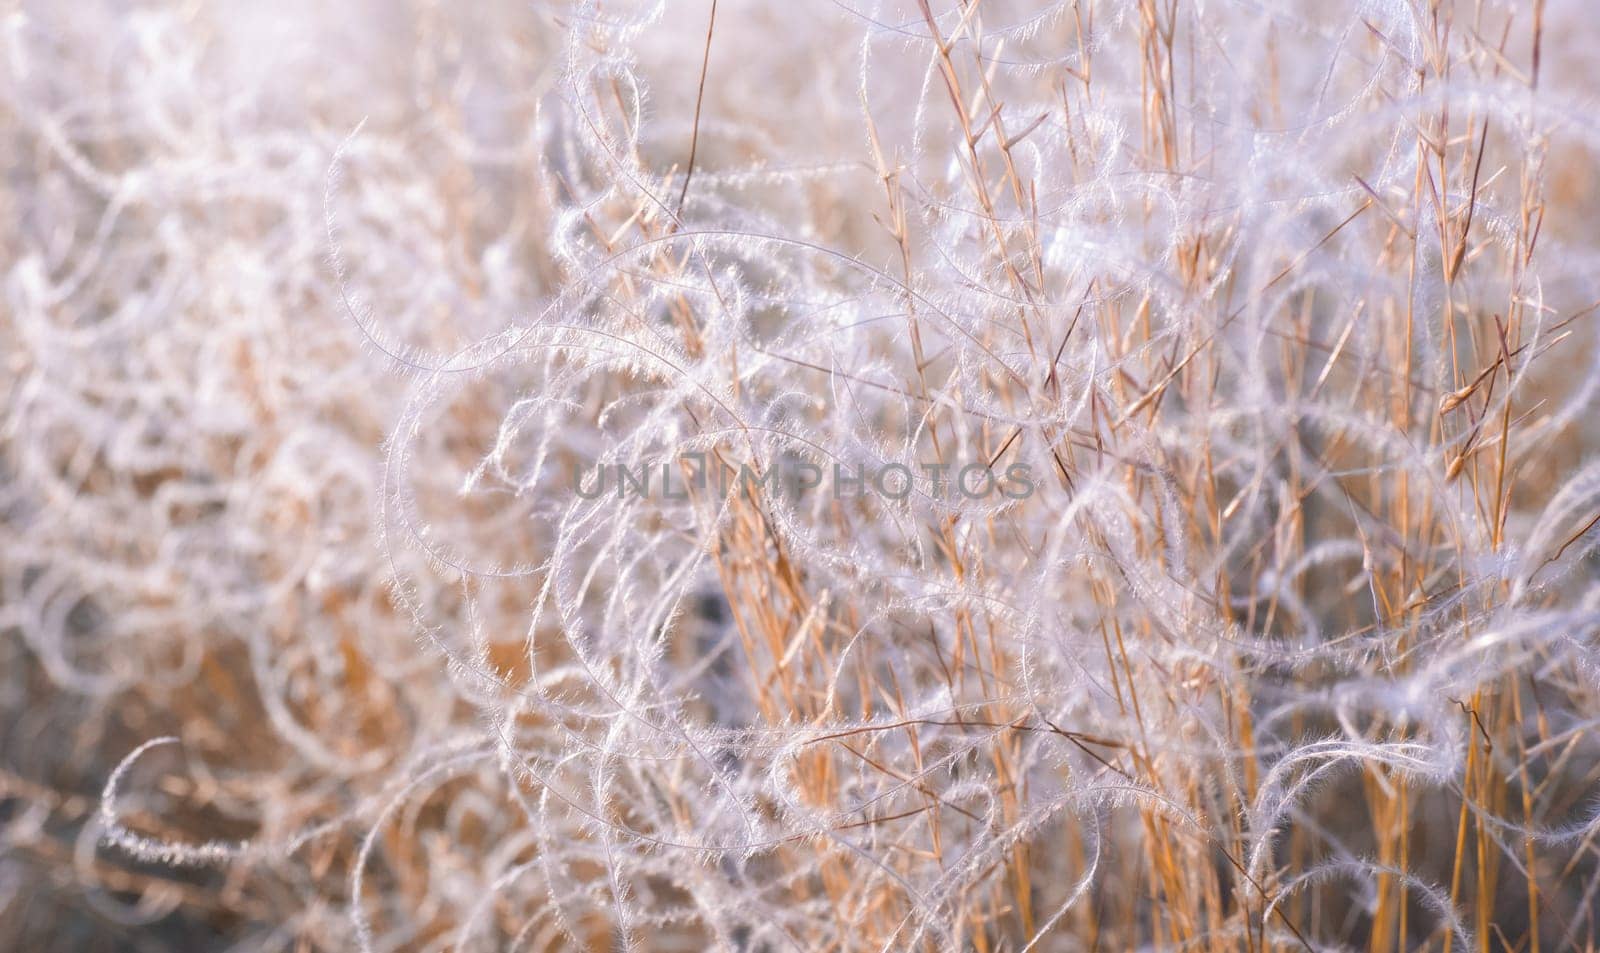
[[893, 475]]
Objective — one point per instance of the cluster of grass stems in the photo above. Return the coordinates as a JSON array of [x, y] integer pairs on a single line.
[[307, 641]]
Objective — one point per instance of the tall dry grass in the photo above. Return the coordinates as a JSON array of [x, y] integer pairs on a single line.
[[312, 312]]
